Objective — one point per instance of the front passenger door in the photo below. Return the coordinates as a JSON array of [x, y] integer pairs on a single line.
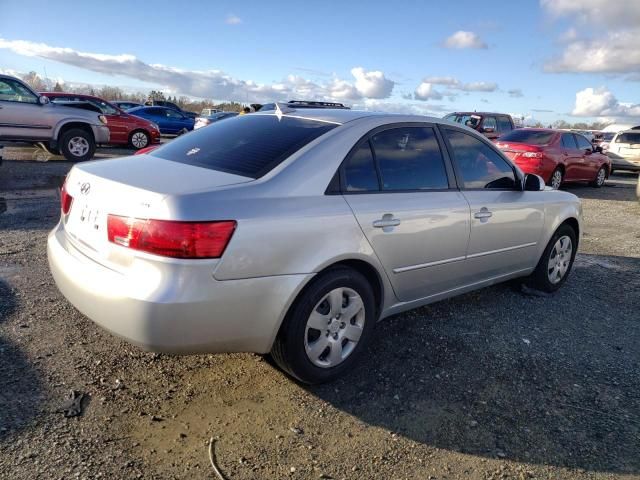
[[403, 196], [506, 222]]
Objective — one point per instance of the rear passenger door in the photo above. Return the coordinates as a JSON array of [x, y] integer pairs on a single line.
[[400, 187], [506, 222]]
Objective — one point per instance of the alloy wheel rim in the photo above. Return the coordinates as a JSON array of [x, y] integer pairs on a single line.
[[556, 180], [559, 259], [601, 176], [334, 327], [139, 140], [78, 146]]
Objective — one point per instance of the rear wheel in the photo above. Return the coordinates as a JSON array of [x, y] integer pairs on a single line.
[[556, 261], [139, 139], [183, 131], [601, 176], [556, 179], [327, 328], [77, 145]]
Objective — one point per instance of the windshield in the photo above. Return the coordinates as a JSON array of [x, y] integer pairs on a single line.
[[247, 145], [629, 137], [532, 137]]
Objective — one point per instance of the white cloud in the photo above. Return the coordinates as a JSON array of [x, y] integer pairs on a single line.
[[463, 39], [211, 83], [618, 52], [425, 91], [612, 13], [515, 93], [372, 84], [233, 19], [600, 102]]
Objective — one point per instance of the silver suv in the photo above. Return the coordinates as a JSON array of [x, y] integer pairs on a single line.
[[26, 116]]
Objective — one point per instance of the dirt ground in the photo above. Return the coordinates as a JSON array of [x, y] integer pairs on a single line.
[[489, 385]]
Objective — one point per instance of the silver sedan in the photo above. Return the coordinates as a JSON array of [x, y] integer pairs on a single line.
[[292, 232]]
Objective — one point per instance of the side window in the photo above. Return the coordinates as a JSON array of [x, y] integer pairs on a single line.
[[12, 91], [490, 122], [504, 124], [479, 165], [173, 114], [409, 158], [360, 171], [583, 143], [568, 141]]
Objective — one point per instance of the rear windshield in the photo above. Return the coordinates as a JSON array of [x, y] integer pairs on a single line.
[[628, 138], [532, 137], [247, 145]]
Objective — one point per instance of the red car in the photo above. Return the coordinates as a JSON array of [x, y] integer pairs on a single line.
[[125, 129], [557, 156]]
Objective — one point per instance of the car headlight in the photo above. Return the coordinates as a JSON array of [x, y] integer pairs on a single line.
[[103, 119], [155, 126]]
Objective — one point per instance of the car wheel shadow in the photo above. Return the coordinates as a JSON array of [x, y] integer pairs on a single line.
[[500, 374]]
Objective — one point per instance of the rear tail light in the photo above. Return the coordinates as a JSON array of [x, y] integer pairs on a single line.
[[532, 154], [171, 238], [65, 199]]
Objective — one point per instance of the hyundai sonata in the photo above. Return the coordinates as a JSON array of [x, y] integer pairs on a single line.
[[292, 232]]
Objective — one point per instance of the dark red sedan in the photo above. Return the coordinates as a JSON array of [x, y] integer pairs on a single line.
[[125, 129], [557, 156]]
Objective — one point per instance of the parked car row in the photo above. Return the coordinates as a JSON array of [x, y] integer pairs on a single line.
[[124, 127]]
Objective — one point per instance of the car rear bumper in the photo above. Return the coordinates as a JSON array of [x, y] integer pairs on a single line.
[[217, 316]]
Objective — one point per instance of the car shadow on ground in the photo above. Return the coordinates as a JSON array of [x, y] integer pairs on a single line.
[[500, 374], [620, 186], [20, 384]]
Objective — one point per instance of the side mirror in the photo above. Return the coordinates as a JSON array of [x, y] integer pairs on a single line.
[[42, 100], [588, 151], [533, 183], [598, 149]]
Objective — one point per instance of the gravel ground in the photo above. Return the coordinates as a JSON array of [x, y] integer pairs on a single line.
[[493, 384]]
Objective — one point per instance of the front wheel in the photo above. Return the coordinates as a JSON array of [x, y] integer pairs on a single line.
[[327, 328], [77, 145], [556, 261], [601, 176]]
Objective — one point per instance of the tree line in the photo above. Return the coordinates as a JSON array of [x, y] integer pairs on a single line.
[[116, 93]]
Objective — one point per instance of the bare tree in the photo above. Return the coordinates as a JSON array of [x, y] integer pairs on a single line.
[[34, 81]]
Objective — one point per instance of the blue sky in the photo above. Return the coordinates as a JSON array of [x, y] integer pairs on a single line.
[[547, 59]]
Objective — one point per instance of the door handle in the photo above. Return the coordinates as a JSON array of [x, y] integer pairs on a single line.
[[387, 220], [483, 214]]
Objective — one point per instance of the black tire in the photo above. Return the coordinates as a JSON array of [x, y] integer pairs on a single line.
[[78, 133], [139, 134], [183, 131], [596, 183], [288, 350], [553, 174], [539, 279]]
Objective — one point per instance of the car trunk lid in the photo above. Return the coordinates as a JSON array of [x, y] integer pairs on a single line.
[[135, 187]]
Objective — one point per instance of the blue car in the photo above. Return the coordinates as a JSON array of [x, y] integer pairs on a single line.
[[170, 121]]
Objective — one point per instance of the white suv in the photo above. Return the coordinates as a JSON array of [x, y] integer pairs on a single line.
[[624, 151]]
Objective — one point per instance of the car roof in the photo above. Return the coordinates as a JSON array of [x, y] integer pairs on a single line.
[[478, 113], [341, 116]]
